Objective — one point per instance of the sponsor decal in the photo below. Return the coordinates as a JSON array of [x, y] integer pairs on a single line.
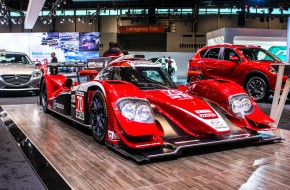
[[57, 105], [216, 122], [73, 98], [176, 94], [203, 111], [80, 107], [207, 115], [112, 135], [219, 125]]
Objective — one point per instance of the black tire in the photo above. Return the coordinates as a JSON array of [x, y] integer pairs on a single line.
[[257, 88], [43, 97], [194, 78], [99, 117], [36, 92]]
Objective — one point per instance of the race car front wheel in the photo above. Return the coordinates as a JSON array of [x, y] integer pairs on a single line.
[[99, 117], [43, 96]]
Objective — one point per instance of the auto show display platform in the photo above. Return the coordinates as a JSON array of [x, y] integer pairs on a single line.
[[84, 164]]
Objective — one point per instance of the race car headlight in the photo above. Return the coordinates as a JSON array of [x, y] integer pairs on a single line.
[[36, 73], [128, 110], [135, 109], [240, 105]]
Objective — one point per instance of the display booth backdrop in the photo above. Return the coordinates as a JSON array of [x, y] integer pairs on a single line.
[[181, 59], [272, 40], [68, 46]]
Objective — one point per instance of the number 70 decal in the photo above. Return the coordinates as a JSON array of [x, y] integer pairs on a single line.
[[80, 108]]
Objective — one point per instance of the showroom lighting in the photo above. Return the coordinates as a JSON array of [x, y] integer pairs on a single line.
[[90, 21], [62, 20]]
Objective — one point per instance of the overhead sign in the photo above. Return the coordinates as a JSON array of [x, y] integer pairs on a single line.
[[141, 29]]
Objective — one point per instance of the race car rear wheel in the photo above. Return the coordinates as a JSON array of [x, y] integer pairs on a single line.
[[43, 96], [99, 117], [257, 88]]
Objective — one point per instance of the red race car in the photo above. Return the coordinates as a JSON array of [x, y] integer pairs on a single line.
[[133, 106], [249, 66]]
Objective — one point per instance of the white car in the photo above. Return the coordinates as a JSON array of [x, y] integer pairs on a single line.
[[18, 72], [163, 63]]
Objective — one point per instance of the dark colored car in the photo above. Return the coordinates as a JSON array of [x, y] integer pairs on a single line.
[[249, 66]]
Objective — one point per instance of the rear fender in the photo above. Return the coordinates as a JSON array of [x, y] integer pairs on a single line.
[[54, 84]]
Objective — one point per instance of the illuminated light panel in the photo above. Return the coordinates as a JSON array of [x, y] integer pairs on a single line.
[[33, 10]]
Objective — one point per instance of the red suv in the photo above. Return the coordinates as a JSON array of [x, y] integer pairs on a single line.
[[249, 66]]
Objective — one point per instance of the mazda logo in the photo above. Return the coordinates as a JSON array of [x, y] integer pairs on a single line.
[[16, 76]]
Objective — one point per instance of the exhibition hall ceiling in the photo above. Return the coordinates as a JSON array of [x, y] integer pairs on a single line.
[[72, 4]]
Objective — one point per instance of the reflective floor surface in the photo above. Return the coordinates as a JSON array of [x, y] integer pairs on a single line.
[[84, 164]]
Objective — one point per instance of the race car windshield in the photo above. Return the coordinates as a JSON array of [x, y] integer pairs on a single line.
[[145, 77], [259, 54], [15, 59]]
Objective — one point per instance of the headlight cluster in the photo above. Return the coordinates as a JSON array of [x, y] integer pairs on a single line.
[[36, 73], [136, 109], [240, 105]]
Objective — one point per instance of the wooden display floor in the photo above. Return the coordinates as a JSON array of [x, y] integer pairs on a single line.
[[84, 164]]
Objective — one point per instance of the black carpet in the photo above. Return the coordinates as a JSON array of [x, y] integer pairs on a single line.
[[15, 172]]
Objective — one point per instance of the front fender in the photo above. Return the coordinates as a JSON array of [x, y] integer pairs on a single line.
[[217, 91], [114, 91]]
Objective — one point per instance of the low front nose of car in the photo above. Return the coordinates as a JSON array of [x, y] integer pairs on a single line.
[[189, 113]]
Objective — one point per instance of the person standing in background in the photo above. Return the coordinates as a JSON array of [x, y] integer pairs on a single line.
[[53, 70], [163, 62], [113, 50], [169, 66], [53, 58]]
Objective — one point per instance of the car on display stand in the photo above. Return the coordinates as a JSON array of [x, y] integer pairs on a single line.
[[250, 66], [133, 106], [162, 62], [18, 72]]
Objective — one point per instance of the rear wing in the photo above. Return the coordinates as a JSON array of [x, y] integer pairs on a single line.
[[101, 62], [81, 69], [68, 64]]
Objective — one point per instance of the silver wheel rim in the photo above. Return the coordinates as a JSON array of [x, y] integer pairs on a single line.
[[256, 89]]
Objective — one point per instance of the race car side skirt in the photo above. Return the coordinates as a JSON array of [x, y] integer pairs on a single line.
[[170, 149]]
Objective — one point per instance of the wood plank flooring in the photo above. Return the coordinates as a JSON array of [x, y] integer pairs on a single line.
[[84, 164]]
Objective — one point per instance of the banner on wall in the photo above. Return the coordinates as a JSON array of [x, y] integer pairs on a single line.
[[141, 29], [68, 46]]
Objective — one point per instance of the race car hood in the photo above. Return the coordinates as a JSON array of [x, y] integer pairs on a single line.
[[189, 112], [15, 68]]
